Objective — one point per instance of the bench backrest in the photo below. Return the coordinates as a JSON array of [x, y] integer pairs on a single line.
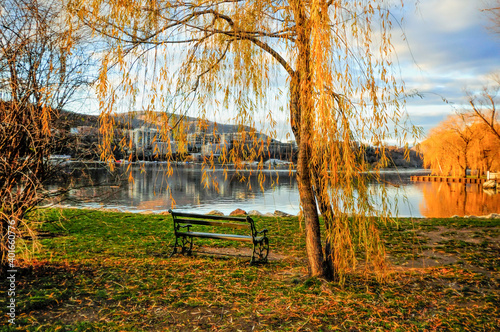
[[210, 220]]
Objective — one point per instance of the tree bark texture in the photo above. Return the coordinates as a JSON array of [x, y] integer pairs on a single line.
[[301, 109]]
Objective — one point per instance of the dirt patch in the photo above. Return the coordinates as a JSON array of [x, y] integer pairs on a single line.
[[427, 258], [236, 252], [472, 235], [476, 249]]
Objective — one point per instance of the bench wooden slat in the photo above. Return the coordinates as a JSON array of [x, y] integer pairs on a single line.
[[234, 237], [211, 223], [208, 216]]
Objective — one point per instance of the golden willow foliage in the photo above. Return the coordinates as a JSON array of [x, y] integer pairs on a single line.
[[224, 56], [461, 142]]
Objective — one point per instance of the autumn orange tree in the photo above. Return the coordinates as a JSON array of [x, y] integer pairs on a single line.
[[463, 141], [334, 56], [483, 109], [448, 147]]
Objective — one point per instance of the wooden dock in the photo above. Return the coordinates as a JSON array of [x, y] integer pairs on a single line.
[[446, 179]]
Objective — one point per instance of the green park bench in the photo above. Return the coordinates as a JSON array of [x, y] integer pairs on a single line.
[[184, 223]]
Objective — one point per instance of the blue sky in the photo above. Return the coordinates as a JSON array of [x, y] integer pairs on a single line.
[[449, 50]]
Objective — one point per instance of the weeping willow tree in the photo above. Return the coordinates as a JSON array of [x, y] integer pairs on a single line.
[[335, 60]]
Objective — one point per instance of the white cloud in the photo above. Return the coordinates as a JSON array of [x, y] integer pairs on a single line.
[[450, 16]]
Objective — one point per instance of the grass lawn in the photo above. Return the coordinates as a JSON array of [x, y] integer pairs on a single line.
[[104, 271]]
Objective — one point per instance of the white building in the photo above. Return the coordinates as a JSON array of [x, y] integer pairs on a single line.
[[143, 137], [147, 138], [213, 149]]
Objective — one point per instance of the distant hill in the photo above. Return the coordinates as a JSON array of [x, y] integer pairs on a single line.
[[69, 120], [133, 120]]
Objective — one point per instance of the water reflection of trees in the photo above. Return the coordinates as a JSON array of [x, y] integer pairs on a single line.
[[152, 189], [441, 200]]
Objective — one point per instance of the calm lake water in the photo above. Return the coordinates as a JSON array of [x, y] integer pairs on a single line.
[[188, 189]]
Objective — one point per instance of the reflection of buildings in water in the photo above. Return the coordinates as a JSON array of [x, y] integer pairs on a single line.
[[152, 187], [442, 199]]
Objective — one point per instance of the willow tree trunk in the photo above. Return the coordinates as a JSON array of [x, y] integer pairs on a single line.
[[309, 209], [302, 111]]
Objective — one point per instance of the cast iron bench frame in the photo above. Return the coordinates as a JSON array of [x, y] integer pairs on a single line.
[[184, 238]]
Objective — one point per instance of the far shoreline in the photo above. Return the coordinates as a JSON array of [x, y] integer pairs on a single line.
[[247, 166]]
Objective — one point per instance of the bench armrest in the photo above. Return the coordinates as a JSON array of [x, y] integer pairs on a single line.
[[263, 231], [185, 226]]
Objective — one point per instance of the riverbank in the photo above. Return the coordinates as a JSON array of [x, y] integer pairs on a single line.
[[111, 272], [254, 213]]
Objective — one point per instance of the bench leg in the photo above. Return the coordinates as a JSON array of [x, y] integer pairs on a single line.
[[260, 251], [174, 251], [185, 243]]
